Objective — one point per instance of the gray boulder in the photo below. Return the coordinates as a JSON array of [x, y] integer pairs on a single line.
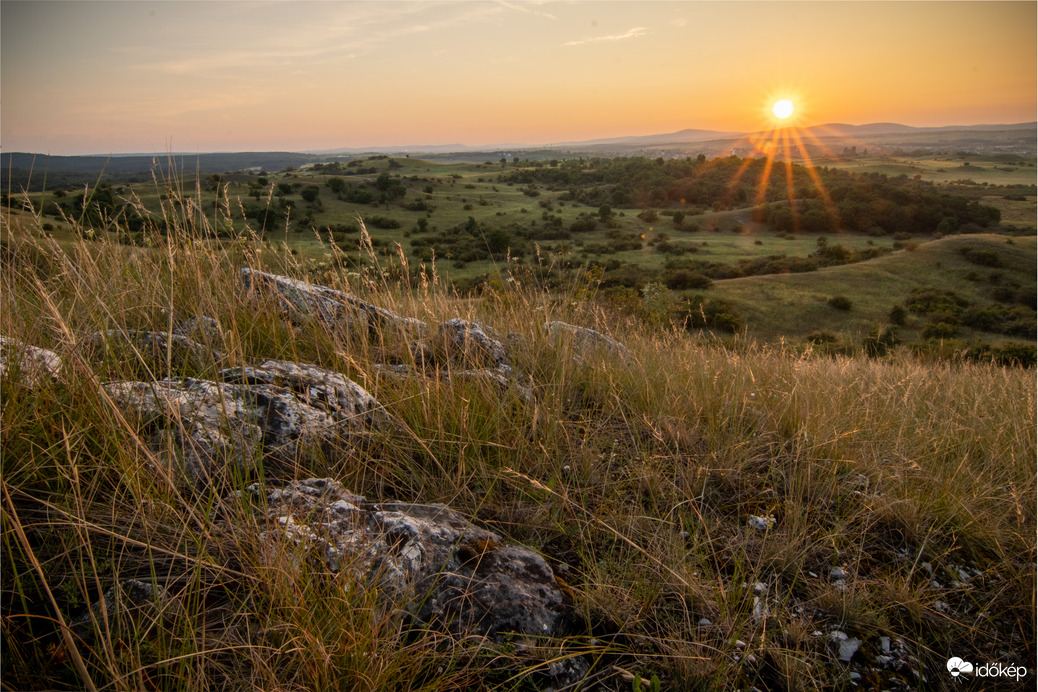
[[305, 300], [331, 392], [211, 425], [469, 344], [204, 329], [588, 341], [277, 408], [443, 569], [33, 365]]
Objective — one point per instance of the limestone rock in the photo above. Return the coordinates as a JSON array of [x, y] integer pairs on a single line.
[[446, 571], [209, 423], [277, 408], [468, 344], [341, 398], [302, 300], [204, 329], [587, 341], [34, 365], [500, 376], [843, 645]]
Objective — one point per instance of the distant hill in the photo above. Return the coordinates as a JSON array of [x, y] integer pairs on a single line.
[[843, 129], [28, 171], [687, 135], [20, 170]]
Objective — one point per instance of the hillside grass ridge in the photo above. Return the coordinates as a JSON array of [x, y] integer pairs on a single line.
[[642, 483]]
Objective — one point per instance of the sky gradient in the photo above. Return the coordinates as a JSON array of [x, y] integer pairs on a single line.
[[119, 77]]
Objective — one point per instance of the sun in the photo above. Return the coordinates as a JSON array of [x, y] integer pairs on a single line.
[[782, 109]]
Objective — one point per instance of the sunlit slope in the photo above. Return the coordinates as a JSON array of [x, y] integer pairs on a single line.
[[791, 306]]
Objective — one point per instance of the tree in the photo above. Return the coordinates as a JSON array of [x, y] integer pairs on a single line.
[[336, 184], [98, 206], [497, 241], [310, 193]]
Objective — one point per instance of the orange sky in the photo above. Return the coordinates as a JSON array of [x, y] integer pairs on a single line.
[[116, 77]]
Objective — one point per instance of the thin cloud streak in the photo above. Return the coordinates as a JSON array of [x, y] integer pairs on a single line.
[[630, 33], [525, 7]]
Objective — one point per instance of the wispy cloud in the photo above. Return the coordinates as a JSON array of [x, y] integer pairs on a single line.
[[525, 7], [630, 33], [327, 33]]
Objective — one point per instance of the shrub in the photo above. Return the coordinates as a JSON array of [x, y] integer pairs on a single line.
[[713, 313], [982, 258], [923, 301], [382, 222], [683, 279], [898, 315], [840, 303], [880, 341], [940, 330], [822, 336], [1008, 354]]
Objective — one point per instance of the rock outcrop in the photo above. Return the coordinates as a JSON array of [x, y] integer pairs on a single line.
[[275, 408], [468, 344], [587, 341], [447, 571], [34, 365], [302, 300], [341, 398]]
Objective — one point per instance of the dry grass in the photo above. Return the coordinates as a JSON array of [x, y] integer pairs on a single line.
[[636, 481]]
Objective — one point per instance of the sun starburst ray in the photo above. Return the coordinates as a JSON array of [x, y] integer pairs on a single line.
[[812, 172]]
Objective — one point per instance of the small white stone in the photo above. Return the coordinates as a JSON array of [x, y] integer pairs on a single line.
[[761, 523]]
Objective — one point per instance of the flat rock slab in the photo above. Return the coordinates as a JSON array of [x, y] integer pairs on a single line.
[[446, 571], [302, 300], [587, 341]]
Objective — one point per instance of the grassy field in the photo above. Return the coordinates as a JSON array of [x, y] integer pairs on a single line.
[[795, 304], [639, 482], [948, 168], [407, 202]]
